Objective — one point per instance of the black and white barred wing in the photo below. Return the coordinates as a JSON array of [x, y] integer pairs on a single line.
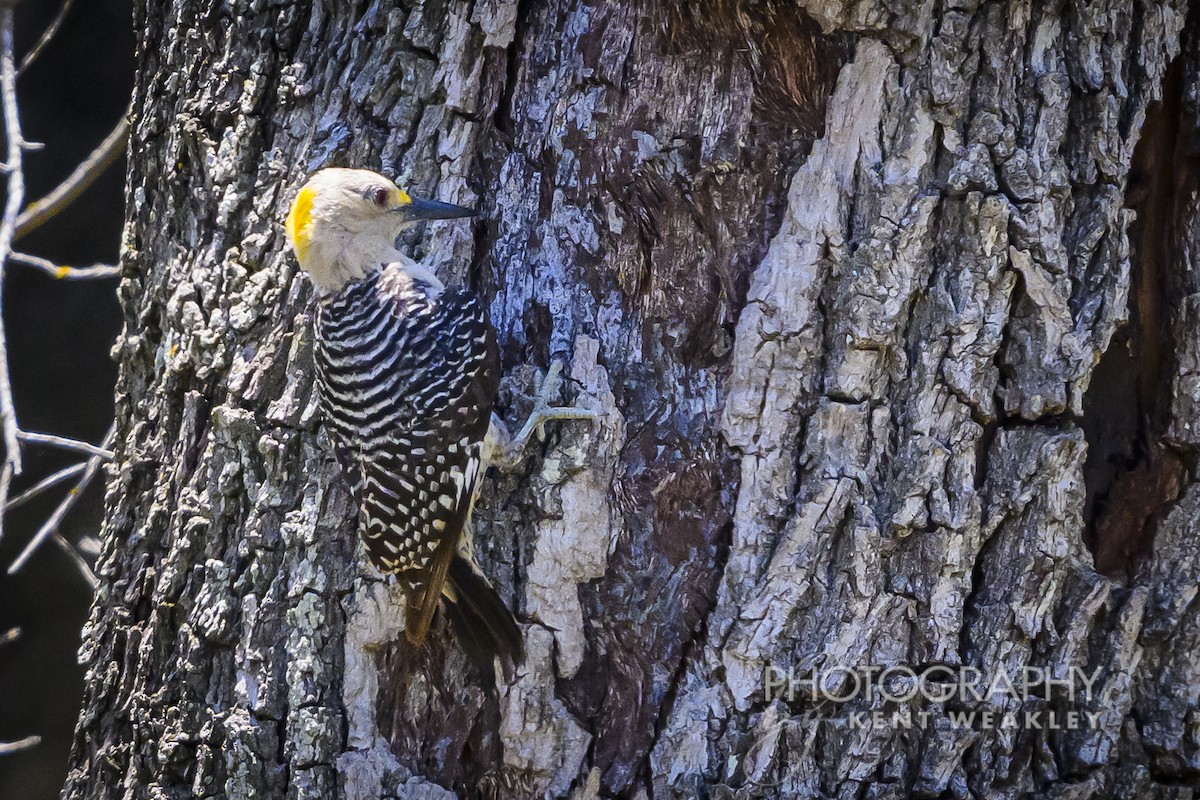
[[414, 505], [419, 474]]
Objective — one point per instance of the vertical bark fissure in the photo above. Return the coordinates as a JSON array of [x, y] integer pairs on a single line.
[[1135, 473]]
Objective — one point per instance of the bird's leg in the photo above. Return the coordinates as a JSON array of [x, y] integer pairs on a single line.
[[506, 451]]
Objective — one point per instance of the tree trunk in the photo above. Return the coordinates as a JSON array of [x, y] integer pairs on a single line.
[[894, 315]]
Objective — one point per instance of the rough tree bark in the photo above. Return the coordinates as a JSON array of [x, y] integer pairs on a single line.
[[894, 312]]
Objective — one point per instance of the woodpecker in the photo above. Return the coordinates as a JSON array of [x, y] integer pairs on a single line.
[[407, 373]]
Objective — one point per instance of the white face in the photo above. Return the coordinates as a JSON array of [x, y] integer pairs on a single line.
[[343, 224]]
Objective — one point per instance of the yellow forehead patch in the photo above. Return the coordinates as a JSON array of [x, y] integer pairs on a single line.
[[299, 220], [401, 198]]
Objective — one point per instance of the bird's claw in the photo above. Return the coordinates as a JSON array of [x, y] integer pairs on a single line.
[[510, 450]]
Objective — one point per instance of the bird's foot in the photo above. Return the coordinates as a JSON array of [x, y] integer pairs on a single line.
[[507, 451]]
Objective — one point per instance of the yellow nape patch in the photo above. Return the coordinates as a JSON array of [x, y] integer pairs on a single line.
[[299, 221]]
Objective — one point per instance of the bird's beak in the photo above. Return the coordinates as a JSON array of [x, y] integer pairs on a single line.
[[432, 209]]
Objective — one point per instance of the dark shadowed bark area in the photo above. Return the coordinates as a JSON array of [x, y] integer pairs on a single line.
[[891, 310]]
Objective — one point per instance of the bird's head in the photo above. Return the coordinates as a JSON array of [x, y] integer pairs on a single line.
[[343, 224]]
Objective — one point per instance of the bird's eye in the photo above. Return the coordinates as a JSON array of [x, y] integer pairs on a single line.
[[380, 197]]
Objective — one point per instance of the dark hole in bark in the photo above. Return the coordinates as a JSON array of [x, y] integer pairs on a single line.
[[1133, 475]]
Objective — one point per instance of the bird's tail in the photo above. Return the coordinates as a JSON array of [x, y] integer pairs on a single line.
[[480, 618]]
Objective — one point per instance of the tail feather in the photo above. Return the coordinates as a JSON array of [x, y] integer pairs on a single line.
[[474, 639], [480, 618]]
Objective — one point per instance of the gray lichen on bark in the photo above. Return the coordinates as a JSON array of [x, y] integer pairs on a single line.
[[844, 322]]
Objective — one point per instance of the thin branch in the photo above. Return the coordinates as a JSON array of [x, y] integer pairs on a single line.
[[45, 484], [13, 224], [66, 273], [46, 36], [64, 443], [76, 183], [20, 744], [6, 476], [50, 526], [62, 476], [80, 563], [12, 206]]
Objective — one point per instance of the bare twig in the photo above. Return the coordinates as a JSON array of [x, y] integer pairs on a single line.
[[12, 206], [66, 273], [20, 744], [64, 443], [44, 485], [76, 183], [73, 554], [46, 36], [13, 224], [6, 476], [41, 487], [50, 526]]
